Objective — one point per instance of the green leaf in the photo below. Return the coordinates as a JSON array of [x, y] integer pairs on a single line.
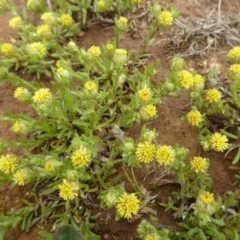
[[67, 232]]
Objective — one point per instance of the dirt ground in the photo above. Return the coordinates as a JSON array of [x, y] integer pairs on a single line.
[[170, 127]]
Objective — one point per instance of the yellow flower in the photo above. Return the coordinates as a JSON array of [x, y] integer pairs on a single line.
[[165, 19], [22, 94], [234, 72], [90, 85], [234, 55], [165, 155], [109, 47], [43, 95], [16, 127], [18, 92], [145, 94], [34, 5], [149, 237], [199, 164], [194, 118], [58, 64], [100, 5], [218, 142], [120, 56], [48, 18], [68, 190], [7, 49], [44, 31], [235, 68], [206, 203], [81, 157], [213, 95], [137, 1], [207, 198], [8, 163], [94, 51], [49, 166], [128, 205], [66, 20], [15, 23], [145, 152], [186, 79], [37, 50], [148, 111], [20, 177], [197, 79]]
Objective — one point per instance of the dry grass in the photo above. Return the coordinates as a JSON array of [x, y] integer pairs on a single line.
[[204, 34]]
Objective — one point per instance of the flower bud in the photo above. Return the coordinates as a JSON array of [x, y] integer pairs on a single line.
[[121, 80], [129, 146], [72, 175], [177, 64], [35, 5], [149, 135], [72, 47], [170, 86], [120, 56], [121, 23]]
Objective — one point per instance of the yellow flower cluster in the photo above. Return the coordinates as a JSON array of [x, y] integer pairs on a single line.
[[49, 166], [165, 155], [145, 94], [207, 198], [15, 23], [218, 142], [128, 205], [194, 118], [66, 20], [7, 49], [213, 95], [199, 164], [165, 19], [90, 85], [81, 157], [8, 163], [145, 152], [20, 177], [186, 79], [234, 55], [148, 111], [94, 51], [44, 31], [68, 190], [120, 56], [42, 96], [37, 49]]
